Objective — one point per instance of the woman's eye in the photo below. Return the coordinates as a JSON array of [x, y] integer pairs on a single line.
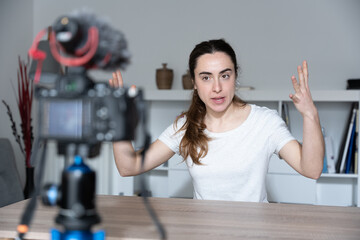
[[225, 76], [205, 78]]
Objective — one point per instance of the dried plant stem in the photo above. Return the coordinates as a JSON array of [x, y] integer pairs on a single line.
[[24, 103], [13, 127], [25, 95]]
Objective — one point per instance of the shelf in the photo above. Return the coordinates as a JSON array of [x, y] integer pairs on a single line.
[[162, 167], [338, 175], [258, 95], [167, 95]]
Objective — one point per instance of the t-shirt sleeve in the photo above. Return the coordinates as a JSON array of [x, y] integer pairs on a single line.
[[280, 133], [171, 138]]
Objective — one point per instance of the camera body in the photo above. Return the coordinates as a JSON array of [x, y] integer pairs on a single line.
[[78, 110]]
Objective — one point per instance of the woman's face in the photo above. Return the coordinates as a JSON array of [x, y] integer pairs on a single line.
[[215, 81]]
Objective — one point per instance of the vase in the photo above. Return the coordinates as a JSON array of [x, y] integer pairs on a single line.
[[29, 184], [186, 80], [164, 77]]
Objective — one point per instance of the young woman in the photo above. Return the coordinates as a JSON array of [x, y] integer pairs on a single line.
[[226, 142]]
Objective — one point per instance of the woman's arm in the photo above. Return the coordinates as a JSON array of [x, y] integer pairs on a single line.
[[307, 158], [128, 162]]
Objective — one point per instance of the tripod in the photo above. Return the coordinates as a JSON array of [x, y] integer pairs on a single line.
[[76, 200]]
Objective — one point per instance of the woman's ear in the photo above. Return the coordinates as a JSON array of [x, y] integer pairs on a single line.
[[193, 82]]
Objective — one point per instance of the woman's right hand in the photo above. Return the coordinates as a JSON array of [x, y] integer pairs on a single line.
[[116, 81], [129, 162]]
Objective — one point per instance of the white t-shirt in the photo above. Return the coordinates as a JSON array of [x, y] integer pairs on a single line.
[[237, 161]]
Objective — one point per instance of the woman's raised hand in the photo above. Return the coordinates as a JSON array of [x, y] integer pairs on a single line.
[[302, 97], [116, 81]]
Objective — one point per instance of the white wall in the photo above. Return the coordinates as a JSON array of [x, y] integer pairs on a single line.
[[16, 29], [270, 38]]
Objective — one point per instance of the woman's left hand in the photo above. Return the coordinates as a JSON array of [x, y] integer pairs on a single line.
[[308, 157], [302, 97]]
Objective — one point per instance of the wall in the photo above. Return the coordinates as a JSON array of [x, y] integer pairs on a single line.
[[16, 27], [270, 38]]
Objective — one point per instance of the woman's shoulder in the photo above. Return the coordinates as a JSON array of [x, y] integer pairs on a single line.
[[175, 126], [262, 112], [179, 122], [262, 109]]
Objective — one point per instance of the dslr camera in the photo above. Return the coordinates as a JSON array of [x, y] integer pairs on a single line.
[[75, 109]]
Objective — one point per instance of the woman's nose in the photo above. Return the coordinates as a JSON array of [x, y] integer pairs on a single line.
[[217, 86]]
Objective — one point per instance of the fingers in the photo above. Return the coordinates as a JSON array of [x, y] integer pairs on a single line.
[[294, 98], [295, 84], [306, 73], [116, 80], [305, 69], [301, 87], [301, 76], [120, 79]]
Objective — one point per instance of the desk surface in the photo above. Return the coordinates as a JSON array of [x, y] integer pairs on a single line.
[[127, 218]]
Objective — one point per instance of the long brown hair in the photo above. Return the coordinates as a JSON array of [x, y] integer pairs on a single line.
[[195, 142]]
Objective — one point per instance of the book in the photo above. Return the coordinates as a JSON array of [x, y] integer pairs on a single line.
[[355, 162], [285, 114], [350, 154], [354, 158], [340, 166], [330, 155], [342, 143], [325, 169], [325, 164]]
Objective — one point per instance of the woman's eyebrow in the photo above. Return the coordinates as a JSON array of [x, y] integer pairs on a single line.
[[225, 70], [208, 73]]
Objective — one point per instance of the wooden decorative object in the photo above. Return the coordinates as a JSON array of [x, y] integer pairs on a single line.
[[164, 77], [186, 81]]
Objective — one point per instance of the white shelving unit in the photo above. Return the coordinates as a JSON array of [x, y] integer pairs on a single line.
[[283, 183]]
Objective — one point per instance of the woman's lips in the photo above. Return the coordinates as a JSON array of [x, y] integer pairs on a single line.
[[218, 100]]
